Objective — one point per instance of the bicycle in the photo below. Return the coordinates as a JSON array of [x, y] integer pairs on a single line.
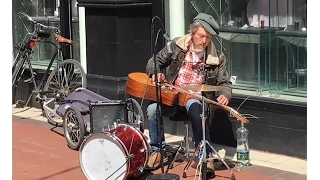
[[60, 82]]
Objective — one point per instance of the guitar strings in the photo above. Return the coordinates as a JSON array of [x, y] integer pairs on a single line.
[[247, 116], [243, 102], [145, 88]]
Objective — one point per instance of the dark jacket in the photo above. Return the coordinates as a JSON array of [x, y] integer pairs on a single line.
[[170, 64]]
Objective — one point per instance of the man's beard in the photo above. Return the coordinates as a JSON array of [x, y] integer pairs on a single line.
[[198, 48]]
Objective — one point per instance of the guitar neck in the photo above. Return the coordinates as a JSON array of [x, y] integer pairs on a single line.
[[198, 97], [237, 115]]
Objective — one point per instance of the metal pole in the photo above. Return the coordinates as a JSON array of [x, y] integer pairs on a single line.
[[65, 26]]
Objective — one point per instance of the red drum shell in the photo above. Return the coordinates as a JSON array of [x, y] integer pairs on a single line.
[[126, 142]]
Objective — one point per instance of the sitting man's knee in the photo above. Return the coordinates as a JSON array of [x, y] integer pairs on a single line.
[[192, 102]]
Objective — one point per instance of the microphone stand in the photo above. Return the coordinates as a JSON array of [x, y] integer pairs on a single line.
[[158, 94]]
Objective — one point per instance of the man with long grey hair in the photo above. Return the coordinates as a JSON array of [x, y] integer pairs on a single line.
[[185, 66]]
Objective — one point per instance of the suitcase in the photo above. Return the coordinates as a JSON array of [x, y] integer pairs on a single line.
[[86, 112], [80, 99], [94, 108]]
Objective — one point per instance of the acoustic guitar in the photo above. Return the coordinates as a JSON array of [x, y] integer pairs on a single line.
[[141, 86]]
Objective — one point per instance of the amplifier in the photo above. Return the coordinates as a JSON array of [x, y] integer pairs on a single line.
[[105, 114]]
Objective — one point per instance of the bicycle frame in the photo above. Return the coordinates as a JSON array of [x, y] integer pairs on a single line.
[[27, 58]]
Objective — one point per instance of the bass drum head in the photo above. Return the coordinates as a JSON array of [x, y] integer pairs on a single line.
[[102, 157]]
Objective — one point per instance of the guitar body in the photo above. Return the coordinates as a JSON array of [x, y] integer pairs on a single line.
[[140, 86]]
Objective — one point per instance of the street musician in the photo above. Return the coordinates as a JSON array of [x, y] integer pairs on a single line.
[[195, 61]]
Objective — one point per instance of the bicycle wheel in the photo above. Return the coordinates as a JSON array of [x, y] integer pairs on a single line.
[[135, 114], [61, 82], [16, 68], [73, 128]]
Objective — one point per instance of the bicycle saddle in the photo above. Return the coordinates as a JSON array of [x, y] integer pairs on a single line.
[[61, 39]]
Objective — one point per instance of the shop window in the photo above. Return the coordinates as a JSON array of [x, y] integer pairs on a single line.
[[45, 12], [266, 48]]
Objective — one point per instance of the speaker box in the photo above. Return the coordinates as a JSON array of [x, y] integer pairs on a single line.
[[105, 114]]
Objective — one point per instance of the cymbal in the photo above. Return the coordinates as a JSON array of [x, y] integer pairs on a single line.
[[203, 88]]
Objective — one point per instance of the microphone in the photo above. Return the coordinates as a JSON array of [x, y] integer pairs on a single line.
[[169, 43]]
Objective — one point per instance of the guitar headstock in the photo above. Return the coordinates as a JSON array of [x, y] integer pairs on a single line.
[[238, 116]]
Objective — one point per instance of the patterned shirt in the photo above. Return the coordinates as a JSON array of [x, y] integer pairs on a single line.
[[190, 71]]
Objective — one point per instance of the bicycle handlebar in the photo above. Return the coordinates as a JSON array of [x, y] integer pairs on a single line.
[[39, 33], [37, 23], [25, 15]]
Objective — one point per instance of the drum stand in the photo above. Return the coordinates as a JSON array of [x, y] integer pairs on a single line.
[[202, 165]]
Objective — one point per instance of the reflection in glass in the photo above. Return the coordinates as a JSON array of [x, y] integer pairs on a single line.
[[42, 11], [289, 69], [266, 48]]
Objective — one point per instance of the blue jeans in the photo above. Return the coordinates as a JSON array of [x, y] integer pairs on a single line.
[[194, 110]]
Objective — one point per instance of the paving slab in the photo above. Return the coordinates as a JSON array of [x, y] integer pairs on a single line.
[[261, 158], [40, 153]]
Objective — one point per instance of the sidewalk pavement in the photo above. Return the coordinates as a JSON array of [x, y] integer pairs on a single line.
[[259, 158]]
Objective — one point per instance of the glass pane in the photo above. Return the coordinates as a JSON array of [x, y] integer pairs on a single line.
[[20, 26], [266, 48], [290, 46], [248, 57], [219, 9], [42, 11]]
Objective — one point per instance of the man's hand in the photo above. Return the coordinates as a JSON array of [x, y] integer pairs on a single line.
[[222, 100], [161, 77]]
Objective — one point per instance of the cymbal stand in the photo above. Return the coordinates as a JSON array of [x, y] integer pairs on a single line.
[[202, 165]]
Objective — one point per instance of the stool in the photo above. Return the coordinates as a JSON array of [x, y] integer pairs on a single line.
[[181, 116], [164, 176]]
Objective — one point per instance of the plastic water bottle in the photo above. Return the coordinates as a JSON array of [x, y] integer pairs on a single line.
[[243, 158]]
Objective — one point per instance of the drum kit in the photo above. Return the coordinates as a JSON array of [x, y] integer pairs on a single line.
[[122, 151], [117, 153]]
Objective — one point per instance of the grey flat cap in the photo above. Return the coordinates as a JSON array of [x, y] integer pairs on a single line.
[[208, 22]]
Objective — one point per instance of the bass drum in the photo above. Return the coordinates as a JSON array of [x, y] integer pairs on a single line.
[[117, 153]]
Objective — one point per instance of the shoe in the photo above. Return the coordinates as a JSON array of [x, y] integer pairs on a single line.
[[210, 168], [154, 159]]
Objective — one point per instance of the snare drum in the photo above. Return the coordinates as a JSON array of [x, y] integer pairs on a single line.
[[117, 153]]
